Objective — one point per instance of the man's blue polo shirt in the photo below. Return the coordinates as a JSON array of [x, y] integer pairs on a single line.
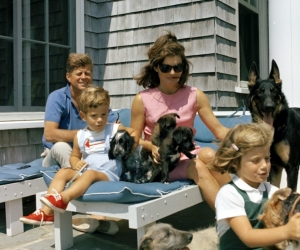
[[61, 109]]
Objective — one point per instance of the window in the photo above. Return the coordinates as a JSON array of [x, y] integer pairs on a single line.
[[249, 45], [36, 37], [253, 39]]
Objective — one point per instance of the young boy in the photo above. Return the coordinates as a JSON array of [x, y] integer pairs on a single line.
[[90, 147]]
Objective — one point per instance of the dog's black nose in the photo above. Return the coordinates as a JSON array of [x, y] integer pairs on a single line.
[[269, 105]]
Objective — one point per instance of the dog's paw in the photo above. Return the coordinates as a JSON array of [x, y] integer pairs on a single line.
[[142, 180]]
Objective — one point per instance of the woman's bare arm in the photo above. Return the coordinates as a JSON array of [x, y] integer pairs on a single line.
[[207, 116], [138, 123]]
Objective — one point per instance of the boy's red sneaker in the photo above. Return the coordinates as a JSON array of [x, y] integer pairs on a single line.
[[38, 218], [54, 201]]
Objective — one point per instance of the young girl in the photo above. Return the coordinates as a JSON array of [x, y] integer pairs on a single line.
[[245, 152], [91, 149]]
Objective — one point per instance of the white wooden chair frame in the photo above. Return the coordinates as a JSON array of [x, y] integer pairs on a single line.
[[140, 215], [12, 195]]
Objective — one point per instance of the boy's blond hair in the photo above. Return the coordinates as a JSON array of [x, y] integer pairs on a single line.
[[92, 97], [239, 140]]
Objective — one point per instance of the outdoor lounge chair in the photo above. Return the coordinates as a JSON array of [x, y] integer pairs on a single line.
[[16, 182]]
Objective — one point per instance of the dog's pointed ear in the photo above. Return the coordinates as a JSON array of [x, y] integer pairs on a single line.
[[145, 243], [283, 193], [252, 75], [274, 73]]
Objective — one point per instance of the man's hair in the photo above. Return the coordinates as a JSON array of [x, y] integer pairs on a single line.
[[239, 140], [76, 60], [92, 97]]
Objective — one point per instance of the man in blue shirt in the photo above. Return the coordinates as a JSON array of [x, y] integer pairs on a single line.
[[62, 120]]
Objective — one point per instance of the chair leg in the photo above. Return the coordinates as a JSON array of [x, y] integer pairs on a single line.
[[63, 230], [38, 203], [13, 211]]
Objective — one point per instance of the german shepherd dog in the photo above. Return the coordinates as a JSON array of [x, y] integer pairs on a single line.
[[268, 103]]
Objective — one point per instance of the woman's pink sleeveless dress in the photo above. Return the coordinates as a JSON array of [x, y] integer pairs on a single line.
[[183, 102]]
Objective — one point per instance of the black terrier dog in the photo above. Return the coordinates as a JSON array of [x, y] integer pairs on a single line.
[[133, 165], [177, 142], [164, 126]]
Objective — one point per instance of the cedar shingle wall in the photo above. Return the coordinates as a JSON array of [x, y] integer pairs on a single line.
[[118, 34], [20, 145]]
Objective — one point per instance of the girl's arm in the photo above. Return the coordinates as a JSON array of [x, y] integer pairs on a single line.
[[75, 158], [253, 237], [207, 116]]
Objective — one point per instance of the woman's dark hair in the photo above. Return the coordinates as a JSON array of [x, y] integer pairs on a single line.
[[165, 45]]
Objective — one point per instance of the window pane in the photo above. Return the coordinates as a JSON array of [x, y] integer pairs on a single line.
[[58, 22], [57, 63], [249, 43], [6, 18], [33, 74], [253, 3], [6, 73], [34, 19]]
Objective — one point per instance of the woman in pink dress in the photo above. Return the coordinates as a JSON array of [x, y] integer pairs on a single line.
[[164, 79]]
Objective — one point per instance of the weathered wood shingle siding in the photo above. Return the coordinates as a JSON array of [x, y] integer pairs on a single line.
[[20, 145], [119, 33]]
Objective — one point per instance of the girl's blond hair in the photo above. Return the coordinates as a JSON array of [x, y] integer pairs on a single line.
[[239, 140], [92, 97]]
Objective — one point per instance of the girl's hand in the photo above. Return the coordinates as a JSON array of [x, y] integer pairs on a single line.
[[155, 154], [294, 227], [79, 165]]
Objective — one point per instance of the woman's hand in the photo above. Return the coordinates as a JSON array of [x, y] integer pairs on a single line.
[[155, 154], [79, 165]]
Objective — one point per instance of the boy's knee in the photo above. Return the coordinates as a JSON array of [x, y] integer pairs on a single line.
[[206, 155]]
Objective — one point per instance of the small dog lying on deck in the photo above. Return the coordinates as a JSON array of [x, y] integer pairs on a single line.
[[278, 209], [162, 236]]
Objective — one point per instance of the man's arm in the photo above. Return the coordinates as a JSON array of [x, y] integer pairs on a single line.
[[53, 134]]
